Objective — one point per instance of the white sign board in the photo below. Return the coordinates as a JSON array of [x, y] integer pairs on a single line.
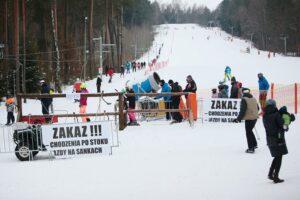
[[78, 139], [221, 110]]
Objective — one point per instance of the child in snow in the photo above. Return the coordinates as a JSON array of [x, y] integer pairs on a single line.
[[227, 73], [131, 106], [10, 106], [214, 93], [83, 101], [287, 117]]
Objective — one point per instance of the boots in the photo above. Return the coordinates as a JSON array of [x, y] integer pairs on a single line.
[[277, 180]]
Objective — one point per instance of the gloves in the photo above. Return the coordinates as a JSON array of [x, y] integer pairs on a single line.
[[236, 121]]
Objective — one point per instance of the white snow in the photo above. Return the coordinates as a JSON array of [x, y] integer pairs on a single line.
[[161, 161]]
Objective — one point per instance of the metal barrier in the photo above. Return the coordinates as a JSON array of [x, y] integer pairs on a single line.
[[7, 144]]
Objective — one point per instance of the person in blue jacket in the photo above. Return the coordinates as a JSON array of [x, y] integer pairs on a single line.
[[128, 66], [165, 88], [227, 73], [263, 91]]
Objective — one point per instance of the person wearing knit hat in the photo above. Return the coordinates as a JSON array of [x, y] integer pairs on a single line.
[[249, 112], [234, 92], [263, 90], [273, 124], [83, 101]]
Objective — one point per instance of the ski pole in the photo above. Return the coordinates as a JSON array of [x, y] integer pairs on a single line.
[[256, 133]]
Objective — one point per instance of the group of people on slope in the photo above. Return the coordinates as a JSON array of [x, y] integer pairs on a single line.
[[171, 102], [236, 90], [276, 123]]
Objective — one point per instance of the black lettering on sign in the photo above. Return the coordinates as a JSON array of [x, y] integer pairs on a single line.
[[84, 131], [235, 105], [77, 132], [69, 132], [92, 130], [96, 131], [99, 129], [218, 105], [229, 105], [224, 105], [60, 152], [55, 136], [224, 120], [62, 133], [213, 104], [71, 152]]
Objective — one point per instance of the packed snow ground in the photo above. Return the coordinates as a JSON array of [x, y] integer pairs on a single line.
[[161, 161]]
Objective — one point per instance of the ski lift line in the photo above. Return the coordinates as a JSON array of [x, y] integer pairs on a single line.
[[45, 52]]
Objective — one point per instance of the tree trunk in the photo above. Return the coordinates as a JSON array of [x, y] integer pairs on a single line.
[[91, 35], [24, 46], [16, 44], [54, 29], [5, 40]]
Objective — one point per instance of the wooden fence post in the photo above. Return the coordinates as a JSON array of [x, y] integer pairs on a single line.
[[296, 98], [19, 106], [121, 113]]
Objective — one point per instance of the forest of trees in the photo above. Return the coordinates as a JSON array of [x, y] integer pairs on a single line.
[[50, 38], [267, 21], [55, 39]]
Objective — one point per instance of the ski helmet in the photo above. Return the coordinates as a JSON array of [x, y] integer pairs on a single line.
[[83, 86]]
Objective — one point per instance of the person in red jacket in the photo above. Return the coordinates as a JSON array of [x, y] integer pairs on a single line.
[[110, 73]]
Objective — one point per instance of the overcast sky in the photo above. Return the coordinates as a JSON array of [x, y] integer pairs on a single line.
[[211, 4]]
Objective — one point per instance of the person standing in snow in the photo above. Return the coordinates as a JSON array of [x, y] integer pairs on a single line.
[[214, 93], [110, 73], [222, 92], [10, 106], [165, 88], [175, 101], [227, 73], [225, 86], [98, 83], [191, 85], [273, 123], [249, 112], [83, 101], [45, 101], [128, 67], [264, 86], [131, 106], [235, 89], [122, 70]]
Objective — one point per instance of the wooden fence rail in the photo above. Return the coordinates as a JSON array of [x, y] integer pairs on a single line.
[[121, 111]]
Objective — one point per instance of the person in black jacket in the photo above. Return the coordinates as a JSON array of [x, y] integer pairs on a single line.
[[98, 83], [131, 107], [45, 101], [175, 101], [191, 85], [273, 124], [249, 112], [234, 92]]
